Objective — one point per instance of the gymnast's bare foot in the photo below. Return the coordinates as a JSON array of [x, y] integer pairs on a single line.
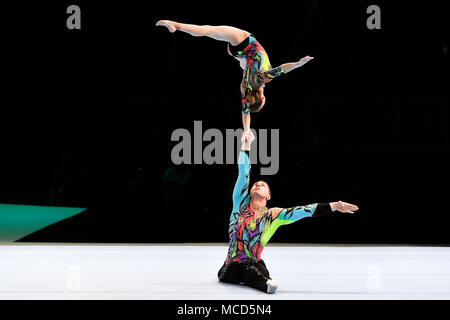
[[171, 25]]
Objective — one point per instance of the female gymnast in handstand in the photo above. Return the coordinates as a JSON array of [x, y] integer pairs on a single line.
[[252, 225], [252, 57]]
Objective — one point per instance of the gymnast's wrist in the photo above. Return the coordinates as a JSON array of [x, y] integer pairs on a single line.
[[333, 206]]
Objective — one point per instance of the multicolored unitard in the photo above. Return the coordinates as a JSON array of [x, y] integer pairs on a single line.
[[257, 69], [249, 234]]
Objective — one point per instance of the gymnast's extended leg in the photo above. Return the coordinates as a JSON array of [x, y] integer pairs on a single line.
[[222, 33]]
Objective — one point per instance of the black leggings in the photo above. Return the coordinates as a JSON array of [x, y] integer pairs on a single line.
[[251, 274]]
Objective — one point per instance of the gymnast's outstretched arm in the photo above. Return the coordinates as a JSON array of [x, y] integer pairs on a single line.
[[294, 65], [280, 216], [271, 74], [290, 215]]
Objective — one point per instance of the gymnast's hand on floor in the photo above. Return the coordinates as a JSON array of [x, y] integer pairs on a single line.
[[343, 207]]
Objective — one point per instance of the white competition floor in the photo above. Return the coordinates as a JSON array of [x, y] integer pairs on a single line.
[[189, 272]]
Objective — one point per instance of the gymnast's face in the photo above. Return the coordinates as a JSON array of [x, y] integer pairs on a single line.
[[262, 97], [261, 189]]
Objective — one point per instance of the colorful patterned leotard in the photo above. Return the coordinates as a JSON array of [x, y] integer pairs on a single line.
[[248, 234], [257, 69]]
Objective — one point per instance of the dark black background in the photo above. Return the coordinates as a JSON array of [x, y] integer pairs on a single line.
[[87, 117]]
